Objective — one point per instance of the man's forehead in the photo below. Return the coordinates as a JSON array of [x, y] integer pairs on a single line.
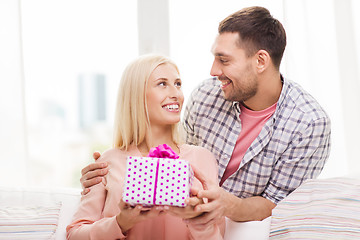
[[225, 44]]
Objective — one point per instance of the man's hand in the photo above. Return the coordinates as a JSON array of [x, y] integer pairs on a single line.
[[92, 174], [217, 205], [188, 211], [221, 203]]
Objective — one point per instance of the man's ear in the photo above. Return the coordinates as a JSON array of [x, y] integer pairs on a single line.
[[263, 60]]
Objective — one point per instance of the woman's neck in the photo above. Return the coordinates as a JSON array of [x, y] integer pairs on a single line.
[[155, 137]]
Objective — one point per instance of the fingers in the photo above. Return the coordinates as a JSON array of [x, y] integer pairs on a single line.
[[123, 205], [194, 191], [93, 166], [206, 207], [153, 212], [86, 183], [85, 191], [96, 155], [193, 201], [211, 194], [95, 173]]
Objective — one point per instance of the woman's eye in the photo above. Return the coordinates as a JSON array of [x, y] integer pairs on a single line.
[[178, 84], [162, 84]]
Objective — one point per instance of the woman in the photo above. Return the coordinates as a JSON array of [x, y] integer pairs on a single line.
[[148, 111]]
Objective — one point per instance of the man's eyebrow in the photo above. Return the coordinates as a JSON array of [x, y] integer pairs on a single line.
[[220, 54]]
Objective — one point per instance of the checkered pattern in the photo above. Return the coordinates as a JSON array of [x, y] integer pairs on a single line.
[[293, 145]]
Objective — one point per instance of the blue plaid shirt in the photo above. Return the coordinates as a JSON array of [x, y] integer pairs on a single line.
[[292, 146]]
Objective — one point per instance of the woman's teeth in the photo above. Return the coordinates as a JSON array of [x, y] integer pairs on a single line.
[[172, 107]]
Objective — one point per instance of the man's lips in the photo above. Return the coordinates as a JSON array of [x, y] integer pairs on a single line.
[[224, 83]]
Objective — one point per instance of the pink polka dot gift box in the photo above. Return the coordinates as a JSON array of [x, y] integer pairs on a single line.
[[157, 180]]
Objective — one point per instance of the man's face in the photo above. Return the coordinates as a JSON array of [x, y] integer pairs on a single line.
[[235, 71]]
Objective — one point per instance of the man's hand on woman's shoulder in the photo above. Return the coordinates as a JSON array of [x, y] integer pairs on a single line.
[[93, 173]]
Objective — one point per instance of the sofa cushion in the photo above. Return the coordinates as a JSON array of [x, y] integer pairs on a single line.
[[22, 197], [319, 209], [29, 222]]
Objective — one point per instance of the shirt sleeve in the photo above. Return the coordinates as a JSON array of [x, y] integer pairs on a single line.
[[88, 222], [304, 159], [190, 119]]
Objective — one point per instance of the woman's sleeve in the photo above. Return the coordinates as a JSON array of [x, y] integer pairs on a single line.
[[88, 222], [206, 163]]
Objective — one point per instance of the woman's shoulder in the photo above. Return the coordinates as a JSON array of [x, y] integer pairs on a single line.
[[114, 153], [195, 150]]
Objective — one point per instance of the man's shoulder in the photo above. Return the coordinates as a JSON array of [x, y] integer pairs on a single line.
[[298, 101]]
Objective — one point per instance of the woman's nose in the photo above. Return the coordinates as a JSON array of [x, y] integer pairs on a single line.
[[175, 92]]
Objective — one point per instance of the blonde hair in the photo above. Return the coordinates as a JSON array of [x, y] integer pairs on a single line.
[[131, 113]]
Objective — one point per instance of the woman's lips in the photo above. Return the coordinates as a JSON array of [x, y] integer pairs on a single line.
[[174, 107]]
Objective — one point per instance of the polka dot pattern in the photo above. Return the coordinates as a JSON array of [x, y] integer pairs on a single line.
[[173, 181]]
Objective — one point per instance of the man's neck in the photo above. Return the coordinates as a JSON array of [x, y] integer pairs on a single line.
[[268, 93]]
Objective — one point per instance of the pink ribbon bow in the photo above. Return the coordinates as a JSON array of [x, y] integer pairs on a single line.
[[163, 151]]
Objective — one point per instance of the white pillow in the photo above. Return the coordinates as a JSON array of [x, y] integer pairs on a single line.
[[29, 222]]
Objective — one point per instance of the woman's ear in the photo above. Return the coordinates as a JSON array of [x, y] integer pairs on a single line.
[[263, 60]]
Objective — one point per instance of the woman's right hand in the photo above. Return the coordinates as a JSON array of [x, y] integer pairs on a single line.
[[131, 215]]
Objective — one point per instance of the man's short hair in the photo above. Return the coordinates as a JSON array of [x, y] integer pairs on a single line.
[[257, 30]]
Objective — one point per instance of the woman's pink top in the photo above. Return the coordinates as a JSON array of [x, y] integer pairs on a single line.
[[96, 215]]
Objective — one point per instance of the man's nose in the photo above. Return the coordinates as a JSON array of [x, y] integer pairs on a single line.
[[215, 70]]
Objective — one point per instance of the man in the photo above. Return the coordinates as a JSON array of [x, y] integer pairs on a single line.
[[267, 134]]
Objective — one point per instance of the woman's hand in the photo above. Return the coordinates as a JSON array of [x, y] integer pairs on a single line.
[[131, 215]]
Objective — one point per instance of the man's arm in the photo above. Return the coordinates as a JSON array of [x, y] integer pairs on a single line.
[[304, 159], [222, 203], [237, 209], [93, 173]]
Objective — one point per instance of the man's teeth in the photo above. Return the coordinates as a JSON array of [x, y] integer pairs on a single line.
[[223, 83], [172, 107]]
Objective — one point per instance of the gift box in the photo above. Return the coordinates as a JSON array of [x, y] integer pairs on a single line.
[[157, 181]]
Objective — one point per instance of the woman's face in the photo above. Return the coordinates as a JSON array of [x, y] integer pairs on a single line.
[[164, 96]]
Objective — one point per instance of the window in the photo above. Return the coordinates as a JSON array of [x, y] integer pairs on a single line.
[[61, 62], [74, 55]]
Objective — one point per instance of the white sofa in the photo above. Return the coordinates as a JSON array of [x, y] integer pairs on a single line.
[[24, 198], [321, 202]]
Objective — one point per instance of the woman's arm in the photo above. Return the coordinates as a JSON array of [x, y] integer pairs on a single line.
[[88, 222]]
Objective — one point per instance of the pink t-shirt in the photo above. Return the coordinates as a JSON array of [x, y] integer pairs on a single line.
[[251, 123]]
